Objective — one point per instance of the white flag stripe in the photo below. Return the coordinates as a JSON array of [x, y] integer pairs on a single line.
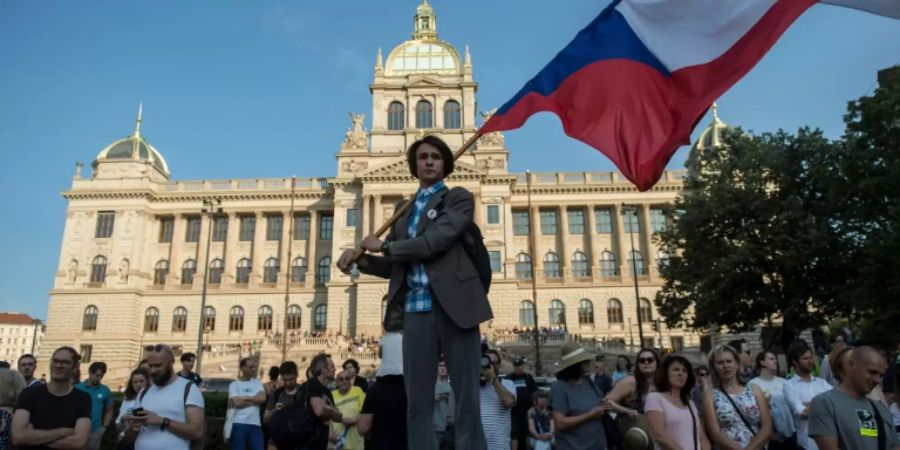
[[889, 8], [684, 33]]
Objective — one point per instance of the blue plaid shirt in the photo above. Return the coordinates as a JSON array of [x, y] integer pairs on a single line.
[[418, 298]]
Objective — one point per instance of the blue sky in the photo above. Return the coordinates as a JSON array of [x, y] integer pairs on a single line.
[[262, 89]]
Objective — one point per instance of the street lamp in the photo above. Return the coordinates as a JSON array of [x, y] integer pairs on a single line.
[[211, 208], [531, 245], [631, 212]]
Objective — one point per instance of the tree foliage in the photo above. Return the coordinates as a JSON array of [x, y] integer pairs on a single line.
[[790, 226]]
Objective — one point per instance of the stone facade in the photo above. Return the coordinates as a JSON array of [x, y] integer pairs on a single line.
[[130, 221]]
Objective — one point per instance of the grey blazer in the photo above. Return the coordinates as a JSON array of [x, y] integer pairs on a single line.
[[438, 245]]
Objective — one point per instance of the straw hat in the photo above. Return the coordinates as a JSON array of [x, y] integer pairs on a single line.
[[572, 354], [637, 438]]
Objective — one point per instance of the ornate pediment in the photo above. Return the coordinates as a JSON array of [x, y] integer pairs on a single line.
[[423, 82], [400, 169]]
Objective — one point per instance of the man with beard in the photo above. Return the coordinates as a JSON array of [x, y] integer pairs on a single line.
[[53, 414], [844, 418], [800, 390], [172, 414], [27, 364]]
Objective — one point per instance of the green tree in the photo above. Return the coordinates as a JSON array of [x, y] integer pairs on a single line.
[[751, 239]]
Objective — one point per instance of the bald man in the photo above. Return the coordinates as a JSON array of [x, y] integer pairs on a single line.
[[844, 419]]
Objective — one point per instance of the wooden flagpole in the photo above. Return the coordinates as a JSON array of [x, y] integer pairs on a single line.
[[402, 209]]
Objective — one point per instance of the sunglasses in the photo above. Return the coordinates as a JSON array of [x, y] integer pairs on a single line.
[[702, 374], [646, 360]]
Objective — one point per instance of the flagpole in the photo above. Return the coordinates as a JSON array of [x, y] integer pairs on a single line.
[[402, 209], [288, 277]]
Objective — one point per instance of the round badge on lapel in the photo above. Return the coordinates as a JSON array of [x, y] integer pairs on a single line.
[[432, 214]]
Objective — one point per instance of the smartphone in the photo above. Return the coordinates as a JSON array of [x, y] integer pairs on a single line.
[[137, 411]]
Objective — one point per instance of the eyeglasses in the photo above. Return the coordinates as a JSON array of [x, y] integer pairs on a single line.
[[702, 374], [646, 360]]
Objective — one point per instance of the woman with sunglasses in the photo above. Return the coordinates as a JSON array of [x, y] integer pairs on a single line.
[[628, 395], [772, 387], [737, 415], [674, 419]]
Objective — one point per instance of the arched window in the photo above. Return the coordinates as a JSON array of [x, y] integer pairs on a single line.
[[179, 319], [236, 319], [526, 313], [608, 264], [89, 321], [188, 269], [557, 312], [614, 311], [585, 312], [160, 272], [98, 270], [579, 265], [320, 318], [270, 270], [424, 114], [396, 113], [646, 311], [551, 265], [293, 317], [244, 266], [451, 115], [264, 318], [151, 320], [523, 266], [298, 270], [636, 262], [323, 273], [216, 269], [209, 319], [662, 259]]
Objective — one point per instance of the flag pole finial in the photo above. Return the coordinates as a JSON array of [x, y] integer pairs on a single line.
[[140, 116]]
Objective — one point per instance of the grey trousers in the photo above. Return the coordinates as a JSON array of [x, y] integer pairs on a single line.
[[94, 439], [425, 336]]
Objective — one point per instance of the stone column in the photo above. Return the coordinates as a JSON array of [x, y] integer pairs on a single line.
[[202, 250], [647, 238], [478, 214], [284, 275], [535, 216], [231, 243], [365, 211], [377, 214], [622, 241], [259, 239], [561, 235], [175, 250], [591, 247], [312, 262]]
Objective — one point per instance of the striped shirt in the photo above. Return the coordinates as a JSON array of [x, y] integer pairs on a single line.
[[418, 298], [495, 419]]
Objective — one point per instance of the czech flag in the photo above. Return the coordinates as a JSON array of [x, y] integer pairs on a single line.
[[636, 80]]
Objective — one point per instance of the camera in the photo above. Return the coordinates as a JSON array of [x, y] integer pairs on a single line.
[[485, 361]]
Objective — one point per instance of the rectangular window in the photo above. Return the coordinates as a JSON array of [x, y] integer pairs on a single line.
[[521, 223], [493, 214], [86, 351], [353, 217], [166, 227], [576, 221], [192, 233], [105, 222], [248, 228], [677, 343], [496, 264], [603, 219], [631, 221], [220, 228], [301, 227], [274, 227], [548, 222], [326, 226], [657, 220]]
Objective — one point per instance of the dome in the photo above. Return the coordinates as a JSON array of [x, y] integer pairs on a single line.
[[709, 140], [135, 148], [413, 57]]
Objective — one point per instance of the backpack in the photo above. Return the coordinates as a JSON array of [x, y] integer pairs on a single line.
[[473, 243], [294, 424]]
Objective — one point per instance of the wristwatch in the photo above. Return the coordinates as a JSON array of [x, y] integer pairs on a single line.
[[165, 424], [386, 247]]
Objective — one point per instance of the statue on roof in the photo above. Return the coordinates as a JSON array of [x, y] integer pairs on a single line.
[[356, 137]]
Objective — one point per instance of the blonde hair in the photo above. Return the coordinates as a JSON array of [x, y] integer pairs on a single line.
[[713, 371], [11, 384]]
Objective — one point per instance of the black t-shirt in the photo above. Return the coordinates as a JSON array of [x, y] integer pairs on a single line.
[[386, 402], [361, 383], [314, 388], [49, 411], [525, 386]]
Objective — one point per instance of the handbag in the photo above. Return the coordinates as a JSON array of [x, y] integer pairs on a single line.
[[229, 423]]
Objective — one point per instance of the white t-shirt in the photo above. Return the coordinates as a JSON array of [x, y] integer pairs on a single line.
[[169, 402], [770, 388], [249, 388]]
